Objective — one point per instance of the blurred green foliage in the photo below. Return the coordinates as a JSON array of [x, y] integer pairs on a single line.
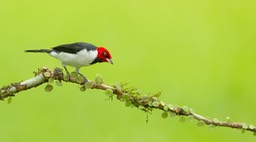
[[197, 53]]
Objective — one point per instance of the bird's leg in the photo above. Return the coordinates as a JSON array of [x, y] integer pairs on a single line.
[[68, 75], [84, 78]]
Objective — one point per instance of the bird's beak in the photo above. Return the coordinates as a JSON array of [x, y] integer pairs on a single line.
[[110, 61]]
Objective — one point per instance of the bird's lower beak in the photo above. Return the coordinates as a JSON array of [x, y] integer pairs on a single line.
[[110, 61]]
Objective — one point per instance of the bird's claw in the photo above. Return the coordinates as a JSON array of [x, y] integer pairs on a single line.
[[67, 77], [83, 80]]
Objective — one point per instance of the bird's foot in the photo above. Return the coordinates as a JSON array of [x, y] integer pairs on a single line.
[[82, 79], [78, 77], [67, 77]]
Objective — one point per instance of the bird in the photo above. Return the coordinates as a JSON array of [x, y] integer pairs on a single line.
[[78, 54]]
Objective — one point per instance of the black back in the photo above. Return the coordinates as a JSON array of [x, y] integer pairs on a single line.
[[73, 48]]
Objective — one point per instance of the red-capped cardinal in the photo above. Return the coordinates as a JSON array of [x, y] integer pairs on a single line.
[[77, 55]]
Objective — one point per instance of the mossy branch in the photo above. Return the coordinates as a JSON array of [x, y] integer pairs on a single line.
[[129, 95]]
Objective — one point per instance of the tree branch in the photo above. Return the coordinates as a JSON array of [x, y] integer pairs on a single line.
[[129, 95]]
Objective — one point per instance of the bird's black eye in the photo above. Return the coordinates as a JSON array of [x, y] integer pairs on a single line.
[[105, 54]]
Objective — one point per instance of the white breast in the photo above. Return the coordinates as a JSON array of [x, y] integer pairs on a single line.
[[82, 58]]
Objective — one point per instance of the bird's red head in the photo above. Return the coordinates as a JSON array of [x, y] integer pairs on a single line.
[[104, 55]]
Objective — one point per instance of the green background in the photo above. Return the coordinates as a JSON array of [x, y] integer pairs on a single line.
[[198, 53]]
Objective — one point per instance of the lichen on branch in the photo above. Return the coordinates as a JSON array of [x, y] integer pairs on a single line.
[[131, 96]]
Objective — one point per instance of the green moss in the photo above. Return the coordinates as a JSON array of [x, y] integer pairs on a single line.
[[47, 74], [182, 119], [98, 80], [88, 84], [58, 83], [50, 80], [9, 101], [156, 103], [245, 126], [109, 92], [82, 88], [164, 114], [215, 120], [200, 123], [48, 88]]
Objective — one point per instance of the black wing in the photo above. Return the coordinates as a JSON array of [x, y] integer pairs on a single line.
[[73, 48]]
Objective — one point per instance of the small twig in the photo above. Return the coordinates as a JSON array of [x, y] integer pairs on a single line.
[[130, 96]]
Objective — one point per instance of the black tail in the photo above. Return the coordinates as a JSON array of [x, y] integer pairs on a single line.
[[40, 50]]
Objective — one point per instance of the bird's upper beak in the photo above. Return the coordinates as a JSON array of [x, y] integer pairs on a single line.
[[110, 61]]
